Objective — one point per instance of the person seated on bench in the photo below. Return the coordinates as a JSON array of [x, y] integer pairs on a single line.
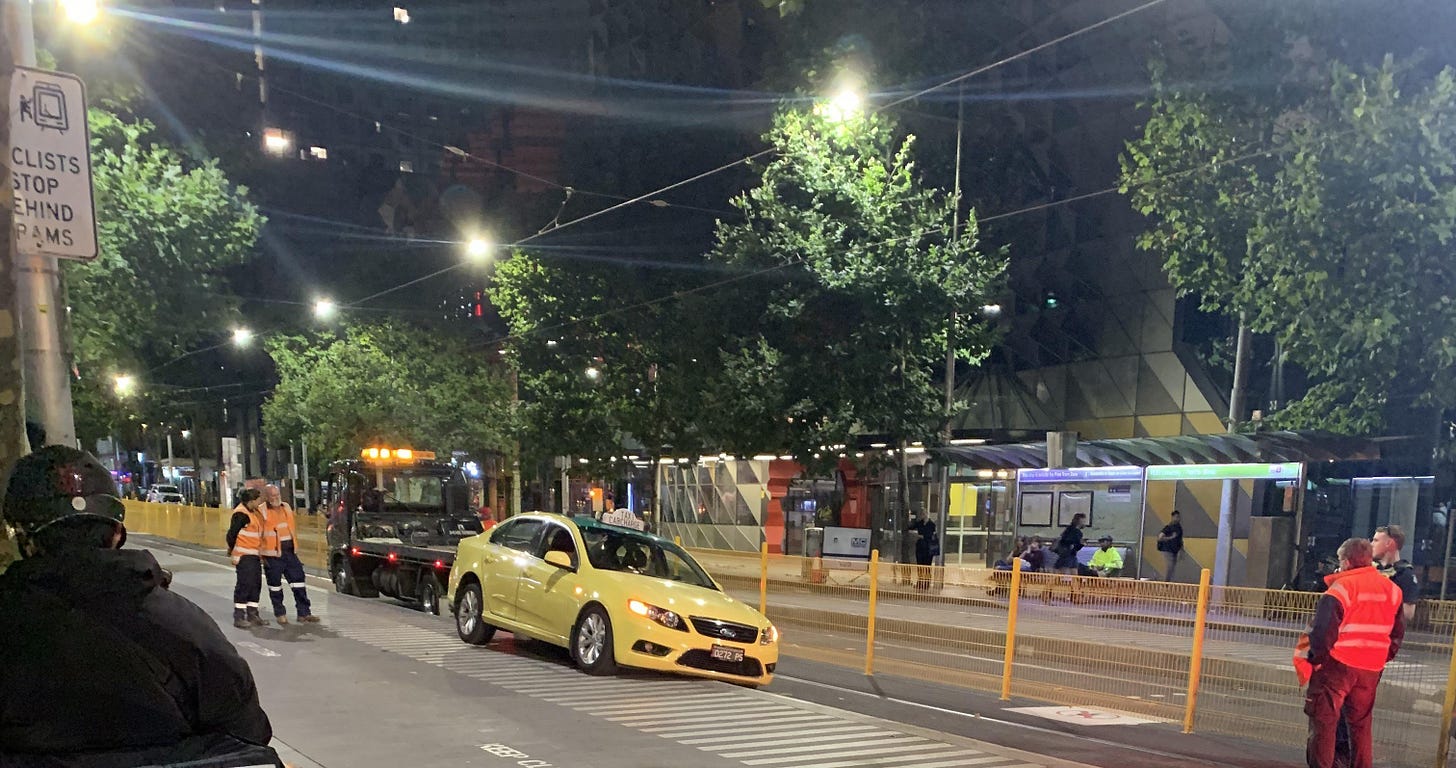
[[1106, 561], [1035, 556]]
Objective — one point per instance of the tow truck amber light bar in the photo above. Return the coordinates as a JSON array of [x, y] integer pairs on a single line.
[[394, 454]]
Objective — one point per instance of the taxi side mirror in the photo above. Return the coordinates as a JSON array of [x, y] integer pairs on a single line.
[[560, 560]]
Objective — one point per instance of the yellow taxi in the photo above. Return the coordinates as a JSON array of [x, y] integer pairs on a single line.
[[610, 595]]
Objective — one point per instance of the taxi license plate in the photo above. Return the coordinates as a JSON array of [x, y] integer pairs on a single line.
[[725, 653]]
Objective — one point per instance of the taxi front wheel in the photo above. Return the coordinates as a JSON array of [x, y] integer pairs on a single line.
[[591, 642]]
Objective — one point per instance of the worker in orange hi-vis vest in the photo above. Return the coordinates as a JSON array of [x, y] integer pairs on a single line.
[[280, 560], [1358, 627], [245, 545]]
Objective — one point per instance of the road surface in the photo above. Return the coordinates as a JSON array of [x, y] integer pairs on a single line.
[[377, 684]]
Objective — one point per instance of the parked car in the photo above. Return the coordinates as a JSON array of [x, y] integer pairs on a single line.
[[612, 596], [166, 494]]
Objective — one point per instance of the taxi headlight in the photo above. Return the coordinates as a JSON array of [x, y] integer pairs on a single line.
[[769, 636], [660, 615]]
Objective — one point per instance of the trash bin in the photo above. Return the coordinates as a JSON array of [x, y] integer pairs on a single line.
[[813, 568]]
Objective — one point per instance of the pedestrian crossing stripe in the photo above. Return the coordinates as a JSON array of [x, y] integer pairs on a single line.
[[734, 725]]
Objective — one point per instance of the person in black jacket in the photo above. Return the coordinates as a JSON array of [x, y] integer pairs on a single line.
[[103, 665], [1069, 544]]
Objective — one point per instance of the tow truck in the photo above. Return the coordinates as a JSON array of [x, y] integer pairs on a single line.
[[396, 516]]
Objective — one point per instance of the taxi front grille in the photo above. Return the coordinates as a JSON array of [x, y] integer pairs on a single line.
[[724, 630]]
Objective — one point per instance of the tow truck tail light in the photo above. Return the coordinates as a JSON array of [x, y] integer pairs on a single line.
[[393, 556], [439, 563], [354, 551]]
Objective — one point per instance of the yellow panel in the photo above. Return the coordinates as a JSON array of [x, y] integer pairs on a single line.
[[1161, 498], [1100, 429], [1201, 550], [1242, 546], [1167, 425], [1205, 422], [963, 498]]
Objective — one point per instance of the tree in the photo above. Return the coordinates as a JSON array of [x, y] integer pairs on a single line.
[[608, 353], [388, 384], [1324, 215], [860, 271], [169, 230]]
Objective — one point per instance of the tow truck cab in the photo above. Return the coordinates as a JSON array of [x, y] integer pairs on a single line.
[[395, 517]]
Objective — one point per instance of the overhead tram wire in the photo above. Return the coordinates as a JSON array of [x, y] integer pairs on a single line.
[[936, 230], [449, 148], [750, 158]]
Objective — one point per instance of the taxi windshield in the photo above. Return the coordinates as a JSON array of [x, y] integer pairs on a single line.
[[610, 549]]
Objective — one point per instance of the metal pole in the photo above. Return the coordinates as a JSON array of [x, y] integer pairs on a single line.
[[13, 443], [763, 578], [38, 287], [874, 600], [307, 490], [955, 234], [1446, 564], [1195, 662], [170, 464], [1223, 551], [1009, 663]]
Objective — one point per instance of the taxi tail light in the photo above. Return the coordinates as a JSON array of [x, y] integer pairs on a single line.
[[439, 563], [393, 556]]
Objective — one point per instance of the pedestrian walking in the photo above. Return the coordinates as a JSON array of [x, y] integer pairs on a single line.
[[245, 545], [280, 558], [1358, 627], [1068, 545], [103, 664], [926, 547], [1170, 543]]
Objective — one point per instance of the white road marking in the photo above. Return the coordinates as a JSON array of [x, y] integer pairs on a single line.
[[258, 649]]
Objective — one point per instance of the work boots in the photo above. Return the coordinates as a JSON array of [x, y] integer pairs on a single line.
[[256, 620]]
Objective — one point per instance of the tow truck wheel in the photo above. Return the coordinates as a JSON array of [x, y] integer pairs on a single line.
[[470, 616], [429, 595], [343, 582], [591, 642]]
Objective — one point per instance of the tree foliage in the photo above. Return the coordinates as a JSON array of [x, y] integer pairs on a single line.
[[169, 230], [1325, 216], [388, 384], [846, 328]]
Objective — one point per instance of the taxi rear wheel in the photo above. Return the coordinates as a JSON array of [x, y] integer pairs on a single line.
[[470, 616], [591, 642]]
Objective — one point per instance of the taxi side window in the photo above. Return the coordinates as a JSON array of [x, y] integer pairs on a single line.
[[519, 535], [558, 539]]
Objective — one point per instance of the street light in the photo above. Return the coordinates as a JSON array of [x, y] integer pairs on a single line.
[[123, 383], [846, 104], [186, 434], [81, 11], [593, 373], [477, 249], [324, 309], [242, 337]]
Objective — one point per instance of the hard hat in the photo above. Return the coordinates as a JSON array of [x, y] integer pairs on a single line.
[[59, 483]]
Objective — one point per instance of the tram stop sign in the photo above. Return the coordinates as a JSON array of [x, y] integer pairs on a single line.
[[50, 165]]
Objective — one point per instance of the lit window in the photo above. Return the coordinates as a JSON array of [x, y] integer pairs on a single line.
[[318, 153], [406, 166], [277, 141], [401, 15]]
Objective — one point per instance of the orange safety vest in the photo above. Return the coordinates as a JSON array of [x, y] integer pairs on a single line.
[[279, 526], [250, 538], [1371, 602]]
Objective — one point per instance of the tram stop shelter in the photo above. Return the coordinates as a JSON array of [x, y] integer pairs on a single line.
[[1242, 497]]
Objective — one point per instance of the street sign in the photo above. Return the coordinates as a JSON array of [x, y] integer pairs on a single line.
[[50, 165], [1186, 472]]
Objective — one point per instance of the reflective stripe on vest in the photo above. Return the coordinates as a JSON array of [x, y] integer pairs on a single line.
[[1371, 602], [250, 538]]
